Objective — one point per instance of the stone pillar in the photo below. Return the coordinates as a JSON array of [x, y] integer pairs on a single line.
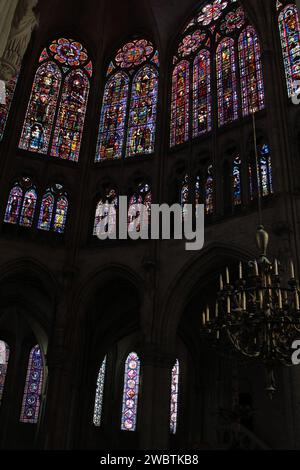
[[7, 12], [155, 400], [23, 23]]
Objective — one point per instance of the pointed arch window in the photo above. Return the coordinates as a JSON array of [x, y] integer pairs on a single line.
[[226, 82], [209, 191], [4, 358], [131, 392], [202, 99], [129, 108], [58, 101], [174, 398], [237, 181], [53, 211], [21, 204], [265, 173], [213, 36], [184, 196], [5, 107], [137, 220], [33, 387], [180, 103], [289, 29], [106, 213], [100, 394], [252, 86]]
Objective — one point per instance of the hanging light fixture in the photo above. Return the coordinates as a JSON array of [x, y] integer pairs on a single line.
[[259, 313]]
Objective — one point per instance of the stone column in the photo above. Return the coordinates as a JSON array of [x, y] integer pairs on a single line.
[[7, 12], [155, 399]]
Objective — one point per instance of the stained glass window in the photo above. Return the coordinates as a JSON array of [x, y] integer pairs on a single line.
[[62, 80], [184, 196], [4, 358], [265, 173], [213, 36], [99, 395], [107, 209], [61, 213], [237, 181], [202, 100], [46, 212], [5, 108], [53, 211], [33, 387], [290, 42], [71, 116], [209, 191], [142, 196], [252, 86], [41, 109], [14, 204], [180, 104], [113, 118], [132, 73], [131, 393], [142, 119], [226, 82], [174, 397], [28, 208]]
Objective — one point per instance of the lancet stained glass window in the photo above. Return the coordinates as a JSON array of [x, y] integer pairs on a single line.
[[289, 29], [142, 119], [174, 397], [4, 358], [131, 393], [5, 108], [14, 204], [226, 82], [202, 100], [265, 173], [213, 36], [184, 196], [106, 214], [33, 387], [61, 213], [209, 191], [137, 220], [237, 181], [28, 209], [99, 394], [180, 104], [252, 86], [21, 203], [128, 115], [61, 85]]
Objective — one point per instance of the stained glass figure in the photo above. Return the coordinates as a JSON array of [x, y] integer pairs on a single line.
[[46, 212], [4, 358], [174, 397], [61, 81], [226, 82], [252, 86], [71, 115], [14, 204], [290, 42], [237, 181], [61, 213], [113, 118], [41, 109], [180, 104], [99, 395], [5, 108], [131, 393], [107, 209], [142, 118], [202, 100], [209, 192], [33, 388], [28, 209], [142, 196]]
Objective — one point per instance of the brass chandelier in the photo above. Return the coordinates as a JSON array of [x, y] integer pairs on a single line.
[[259, 313]]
